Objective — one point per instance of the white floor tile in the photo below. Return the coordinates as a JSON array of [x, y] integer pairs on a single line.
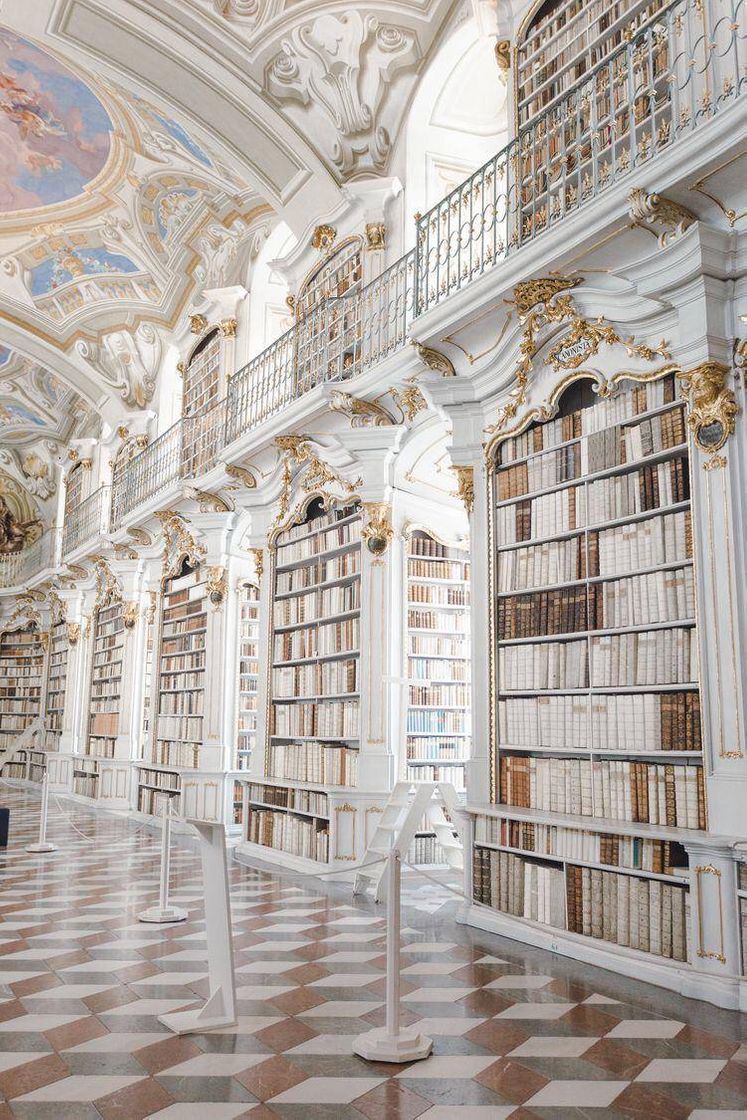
[[449, 1066], [214, 1065], [553, 1046], [335, 1008], [327, 1090], [577, 1094], [535, 1011], [700, 1071], [437, 995], [78, 1088], [646, 1028]]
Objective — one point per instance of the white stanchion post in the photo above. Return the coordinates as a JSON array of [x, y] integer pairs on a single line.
[[391, 1043], [164, 912], [43, 844], [220, 1008]]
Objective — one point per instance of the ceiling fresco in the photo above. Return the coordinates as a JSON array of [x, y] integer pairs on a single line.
[[54, 131]]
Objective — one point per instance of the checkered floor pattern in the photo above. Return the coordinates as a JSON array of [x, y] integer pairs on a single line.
[[518, 1032]]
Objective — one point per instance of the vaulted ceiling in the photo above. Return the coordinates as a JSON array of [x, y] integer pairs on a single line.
[[147, 149]]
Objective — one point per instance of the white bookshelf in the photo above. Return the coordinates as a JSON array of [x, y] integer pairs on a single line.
[[597, 752], [21, 677], [313, 741], [59, 650], [107, 654], [247, 685], [438, 660]]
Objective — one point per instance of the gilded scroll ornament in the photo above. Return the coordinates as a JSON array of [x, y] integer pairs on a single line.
[[241, 475], [585, 337], [108, 589], [124, 552], [360, 413], [228, 328], [178, 542], [216, 584], [208, 501], [323, 238], [73, 633], [712, 406], [503, 55], [259, 561], [409, 400], [529, 293], [130, 615], [666, 219], [377, 532], [435, 359], [44, 640], [466, 486], [140, 536], [197, 324]]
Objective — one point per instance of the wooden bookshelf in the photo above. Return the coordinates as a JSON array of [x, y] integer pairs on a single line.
[[105, 682], [21, 674], [438, 728], [596, 700], [59, 649]]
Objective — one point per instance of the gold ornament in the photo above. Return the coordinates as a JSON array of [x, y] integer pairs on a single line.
[[216, 584], [178, 543], [207, 500], [466, 486], [376, 236], [649, 211], [242, 475], [712, 407], [435, 360], [409, 400], [323, 238], [228, 328], [503, 55], [360, 413], [197, 324], [73, 633], [259, 561], [377, 532], [529, 293], [130, 614]]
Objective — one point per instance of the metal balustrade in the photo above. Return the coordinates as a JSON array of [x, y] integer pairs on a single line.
[[672, 76], [86, 521], [679, 71], [17, 568]]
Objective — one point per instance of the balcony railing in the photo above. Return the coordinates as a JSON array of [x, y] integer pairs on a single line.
[[676, 73], [86, 521], [679, 71], [17, 568]]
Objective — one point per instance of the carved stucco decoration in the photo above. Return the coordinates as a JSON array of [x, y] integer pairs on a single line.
[[435, 360], [127, 360], [317, 475], [343, 64], [140, 536], [242, 476], [130, 615], [712, 406], [503, 55], [259, 561], [228, 328], [216, 584], [323, 238], [541, 303], [56, 607], [663, 217], [108, 588], [375, 236], [73, 633], [409, 400], [124, 552], [377, 532], [178, 542], [197, 324], [360, 413], [23, 615], [207, 500], [466, 486]]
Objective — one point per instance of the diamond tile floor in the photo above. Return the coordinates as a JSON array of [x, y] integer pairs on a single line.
[[518, 1032]]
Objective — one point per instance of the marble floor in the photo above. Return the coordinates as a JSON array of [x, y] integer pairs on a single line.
[[517, 1032]]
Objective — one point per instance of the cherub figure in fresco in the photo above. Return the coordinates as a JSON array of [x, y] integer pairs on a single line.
[[26, 111]]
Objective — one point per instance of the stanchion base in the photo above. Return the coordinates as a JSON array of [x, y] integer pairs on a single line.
[[158, 914], [378, 1046], [41, 847], [195, 1022]]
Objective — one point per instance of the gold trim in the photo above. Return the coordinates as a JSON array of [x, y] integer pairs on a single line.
[[434, 359], [242, 475], [259, 561], [472, 358], [409, 400], [705, 954], [375, 236], [731, 216]]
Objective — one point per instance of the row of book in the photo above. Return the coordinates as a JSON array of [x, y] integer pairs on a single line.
[[12, 670], [191, 678], [14, 698], [295, 800], [425, 850], [519, 887], [439, 695], [184, 703], [436, 721], [318, 522], [438, 569], [164, 779], [330, 678], [100, 746], [545, 665], [318, 543], [439, 646], [645, 914], [86, 785], [186, 646], [189, 660], [435, 669], [184, 727], [652, 793], [437, 620], [663, 596], [183, 591], [644, 658], [659, 857], [319, 763], [155, 802], [311, 606], [422, 749], [103, 723], [606, 412], [169, 751], [545, 721], [545, 516], [298, 836], [314, 575], [435, 773], [658, 540], [423, 544], [331, 719], [539, 473], [438, 594], [192, 625], [651, 487], [321, 641]]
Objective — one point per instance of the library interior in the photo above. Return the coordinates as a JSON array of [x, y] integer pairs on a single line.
[[373, 560]]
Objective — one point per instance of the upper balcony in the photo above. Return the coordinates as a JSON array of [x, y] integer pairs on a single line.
[[680, 75]]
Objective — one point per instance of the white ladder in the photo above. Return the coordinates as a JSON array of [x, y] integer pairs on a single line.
[[400, 820]]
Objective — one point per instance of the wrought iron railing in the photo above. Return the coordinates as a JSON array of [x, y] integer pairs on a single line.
[[678, 71], [17, 568], [86, 521]]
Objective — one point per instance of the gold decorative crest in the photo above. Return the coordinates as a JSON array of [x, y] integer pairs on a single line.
[[712, 406], [228, 328], [178, 543], [466, 486], [73, 633], [435, 359], [259, 561], [216, 584], [409, 400], [207, 500], [130, 614], [377, 532], [323, 238], [375, 236], [197, 324]]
